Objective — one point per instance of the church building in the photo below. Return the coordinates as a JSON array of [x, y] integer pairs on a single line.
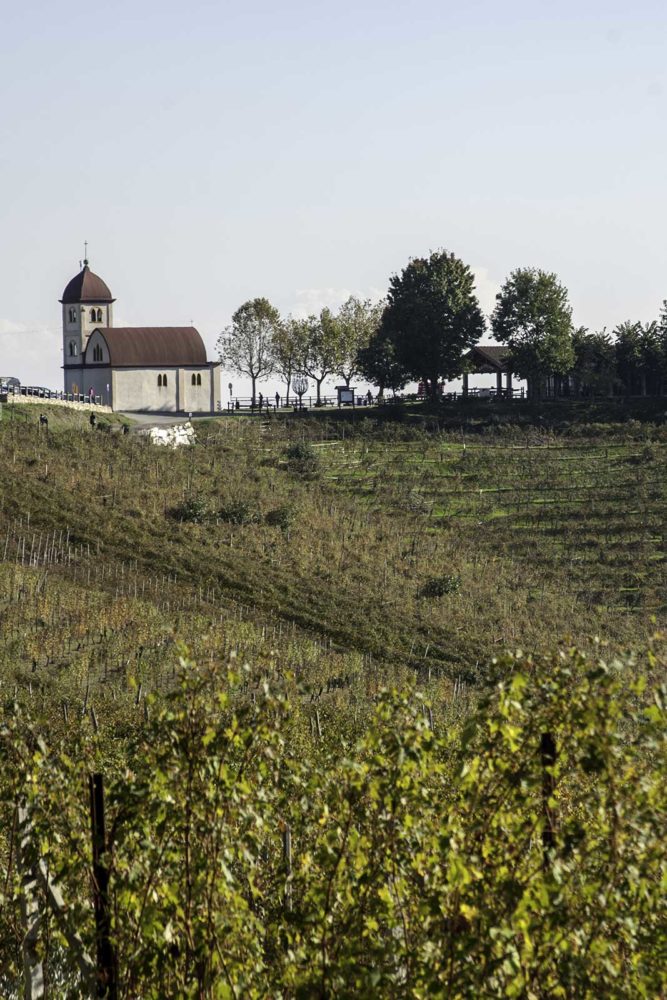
[[162, 369]]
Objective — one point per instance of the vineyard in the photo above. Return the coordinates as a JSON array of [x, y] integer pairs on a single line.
[[262, 734]]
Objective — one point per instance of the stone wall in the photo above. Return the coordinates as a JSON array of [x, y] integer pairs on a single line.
[[18, 400]]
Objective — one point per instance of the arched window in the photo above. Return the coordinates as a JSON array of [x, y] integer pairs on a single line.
[[159, 381], [72, 349], [194, 379], [72, 315], [164, 380], [97, 353], [198, 379], [99, 315], [92, 315]]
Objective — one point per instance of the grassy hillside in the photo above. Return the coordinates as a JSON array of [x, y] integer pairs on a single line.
[[435, 550]]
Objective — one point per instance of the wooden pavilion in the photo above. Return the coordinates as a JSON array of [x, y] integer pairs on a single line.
[[489, 359]]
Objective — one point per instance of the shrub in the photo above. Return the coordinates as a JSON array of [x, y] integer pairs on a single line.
[[302, 458], [438, 586], [239, 512], [194, 510], [282, 517]]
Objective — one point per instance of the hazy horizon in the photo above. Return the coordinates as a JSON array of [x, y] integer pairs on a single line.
[[211, 153]]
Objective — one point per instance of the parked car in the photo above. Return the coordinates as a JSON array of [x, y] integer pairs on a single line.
[[9, 384]]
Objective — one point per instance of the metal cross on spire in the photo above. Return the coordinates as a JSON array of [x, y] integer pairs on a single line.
[[85, 251]]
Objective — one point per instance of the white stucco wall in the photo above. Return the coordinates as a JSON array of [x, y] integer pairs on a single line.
[[137, 389], [196, 398], [216, 397]]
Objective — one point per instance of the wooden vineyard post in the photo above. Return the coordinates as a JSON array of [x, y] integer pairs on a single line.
[[107, 983], [548, 754]]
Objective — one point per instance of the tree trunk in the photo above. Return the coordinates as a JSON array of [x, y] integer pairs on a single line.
[[318, 382], [254, 380], [288, 380]]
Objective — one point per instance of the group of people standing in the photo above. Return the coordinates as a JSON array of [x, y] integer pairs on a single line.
[[262, 402]]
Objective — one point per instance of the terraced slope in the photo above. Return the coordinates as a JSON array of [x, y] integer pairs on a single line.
[[578, 521], [433, 552]]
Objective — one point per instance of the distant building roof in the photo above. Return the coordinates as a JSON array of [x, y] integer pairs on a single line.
[[145, 346], [86, 287]]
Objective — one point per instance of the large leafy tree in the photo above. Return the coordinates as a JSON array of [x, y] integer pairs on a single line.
[[594, 369], [533, 317], [378, 363], [320, 349], [433, 317], [247, 346], [358, 320], [639, 356]]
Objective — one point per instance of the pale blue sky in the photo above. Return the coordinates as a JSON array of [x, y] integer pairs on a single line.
[[211, 152]]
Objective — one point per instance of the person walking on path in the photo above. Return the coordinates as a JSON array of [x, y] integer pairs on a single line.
[[277, 401]]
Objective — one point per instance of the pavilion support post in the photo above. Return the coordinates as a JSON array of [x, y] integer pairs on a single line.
[[509, 390], [465, 383], [499, 384]]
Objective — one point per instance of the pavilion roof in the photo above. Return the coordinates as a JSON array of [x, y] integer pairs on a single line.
[[488, 358]]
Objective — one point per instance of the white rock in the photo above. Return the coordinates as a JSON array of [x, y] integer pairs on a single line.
[[171, 437]]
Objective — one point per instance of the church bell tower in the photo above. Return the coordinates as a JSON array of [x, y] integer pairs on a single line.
[[87, 304]]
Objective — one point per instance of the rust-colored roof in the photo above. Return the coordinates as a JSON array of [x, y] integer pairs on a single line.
[[490, 354], [86, 287], [163, 346]]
